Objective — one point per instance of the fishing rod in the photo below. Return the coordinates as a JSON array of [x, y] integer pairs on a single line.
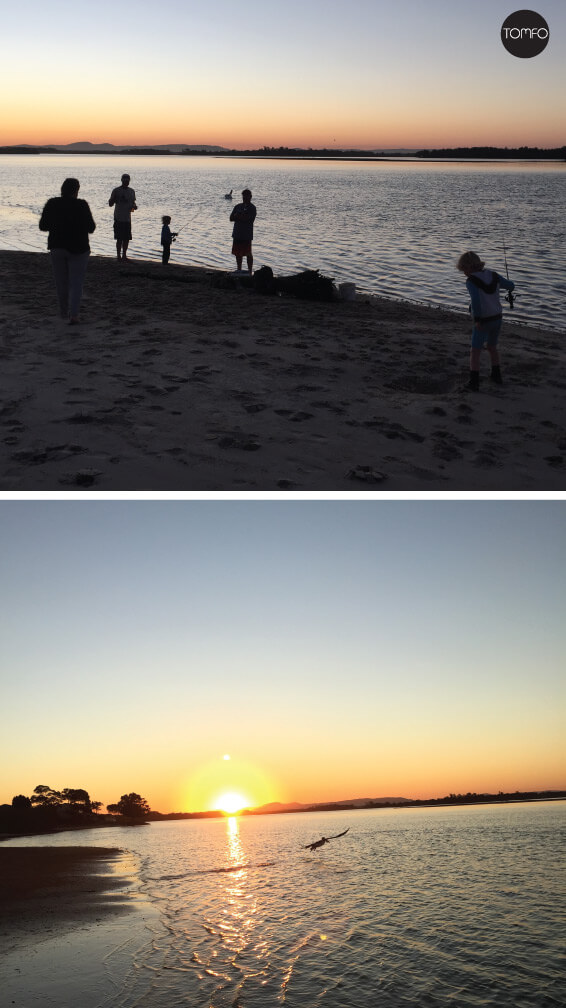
[[186, 225], [510, 297], [190, 220]]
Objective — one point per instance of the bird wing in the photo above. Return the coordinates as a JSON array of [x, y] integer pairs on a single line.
[[336, 835]]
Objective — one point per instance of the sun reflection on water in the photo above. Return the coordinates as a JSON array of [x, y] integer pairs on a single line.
[[241, 954], [235, 849]]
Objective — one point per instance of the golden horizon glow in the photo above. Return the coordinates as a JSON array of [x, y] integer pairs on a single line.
[[334, 680], [399, 135], [374, 79], [231, 802], [229, 783]]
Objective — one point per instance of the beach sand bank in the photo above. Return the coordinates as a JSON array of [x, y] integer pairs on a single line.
[[71, 924], [172, 384], [45, 890]]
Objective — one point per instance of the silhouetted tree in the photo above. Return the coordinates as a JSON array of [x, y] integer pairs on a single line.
[[46, 797], [132, 805], [78, 799], [21, 801]]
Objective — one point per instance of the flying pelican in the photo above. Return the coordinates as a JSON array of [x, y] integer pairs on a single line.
[[319, 843], [228, 195]]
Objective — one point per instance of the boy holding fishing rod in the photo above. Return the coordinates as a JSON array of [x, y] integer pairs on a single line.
[[167, 238], [483, 287]]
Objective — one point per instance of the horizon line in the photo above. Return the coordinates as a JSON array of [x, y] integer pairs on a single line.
[[373, 148]]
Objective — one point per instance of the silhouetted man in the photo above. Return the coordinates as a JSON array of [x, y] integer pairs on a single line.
[[123, 199], [243, 215]]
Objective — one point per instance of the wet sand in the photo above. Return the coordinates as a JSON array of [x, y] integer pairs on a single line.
[[173, 384], [72, 926], [47, 890]]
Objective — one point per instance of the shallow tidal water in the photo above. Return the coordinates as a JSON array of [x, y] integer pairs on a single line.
[[422, 907], [392, 228]]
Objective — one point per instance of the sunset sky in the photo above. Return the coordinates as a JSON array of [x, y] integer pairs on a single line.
[[369, 74], [331, 649]]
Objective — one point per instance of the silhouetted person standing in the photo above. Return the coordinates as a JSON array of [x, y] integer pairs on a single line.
[[483, 287], [243, 215], [69, 223], [123, 199], [167, 238]]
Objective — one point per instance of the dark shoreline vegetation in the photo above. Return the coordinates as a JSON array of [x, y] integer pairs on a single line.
[[49, 811], [444, 153]]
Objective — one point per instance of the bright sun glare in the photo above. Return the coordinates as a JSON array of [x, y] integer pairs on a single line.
[[232, 801]]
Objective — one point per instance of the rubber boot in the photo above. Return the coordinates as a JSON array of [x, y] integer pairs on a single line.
[[496, 374], [474, 382]]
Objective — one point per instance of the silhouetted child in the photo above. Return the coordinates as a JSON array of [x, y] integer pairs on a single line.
[[167, 237], [483, 287]]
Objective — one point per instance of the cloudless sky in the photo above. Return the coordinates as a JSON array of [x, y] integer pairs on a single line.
[[368, 73], [332, 649]]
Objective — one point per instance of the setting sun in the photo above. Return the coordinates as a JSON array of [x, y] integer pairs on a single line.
[[231, 801], [230, 783]]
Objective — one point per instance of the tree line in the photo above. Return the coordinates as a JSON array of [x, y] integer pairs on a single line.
[[538, 153], [46, 809]]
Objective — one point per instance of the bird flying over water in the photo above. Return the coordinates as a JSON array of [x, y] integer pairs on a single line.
[[319, 843]]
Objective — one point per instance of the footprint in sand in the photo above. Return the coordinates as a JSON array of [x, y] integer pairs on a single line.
[[81, 478], [239, 441], [51, 453]]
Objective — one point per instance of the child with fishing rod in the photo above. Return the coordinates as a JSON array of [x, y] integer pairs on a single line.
[[483, 286], [167, 238]]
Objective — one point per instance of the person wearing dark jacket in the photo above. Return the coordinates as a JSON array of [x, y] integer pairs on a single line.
[[69, 223]]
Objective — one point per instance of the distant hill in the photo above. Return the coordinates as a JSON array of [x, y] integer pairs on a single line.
[[274, 807], [86, 147]]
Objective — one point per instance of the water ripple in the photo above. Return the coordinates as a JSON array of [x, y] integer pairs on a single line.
[[394, 229]]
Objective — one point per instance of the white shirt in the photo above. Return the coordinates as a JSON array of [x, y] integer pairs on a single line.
[[123, 198]]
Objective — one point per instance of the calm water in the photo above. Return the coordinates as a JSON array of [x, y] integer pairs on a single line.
[[427, 907], [393, 229]]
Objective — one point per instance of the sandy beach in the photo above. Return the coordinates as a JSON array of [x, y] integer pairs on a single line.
[[71, 924], [172, 383], [48, 890]]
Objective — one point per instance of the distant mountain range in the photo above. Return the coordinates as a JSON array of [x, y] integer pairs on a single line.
[[86, 147], [456, 153], [319, 806], [471, 798]]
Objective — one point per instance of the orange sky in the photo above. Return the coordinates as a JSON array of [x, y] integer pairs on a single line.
[[331, 649], [372, 76]]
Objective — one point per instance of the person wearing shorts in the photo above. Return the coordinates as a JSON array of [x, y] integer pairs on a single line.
[[483, 286], [123, 199], [243, 215]]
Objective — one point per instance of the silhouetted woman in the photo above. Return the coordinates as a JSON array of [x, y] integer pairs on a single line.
[[69, 222]]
